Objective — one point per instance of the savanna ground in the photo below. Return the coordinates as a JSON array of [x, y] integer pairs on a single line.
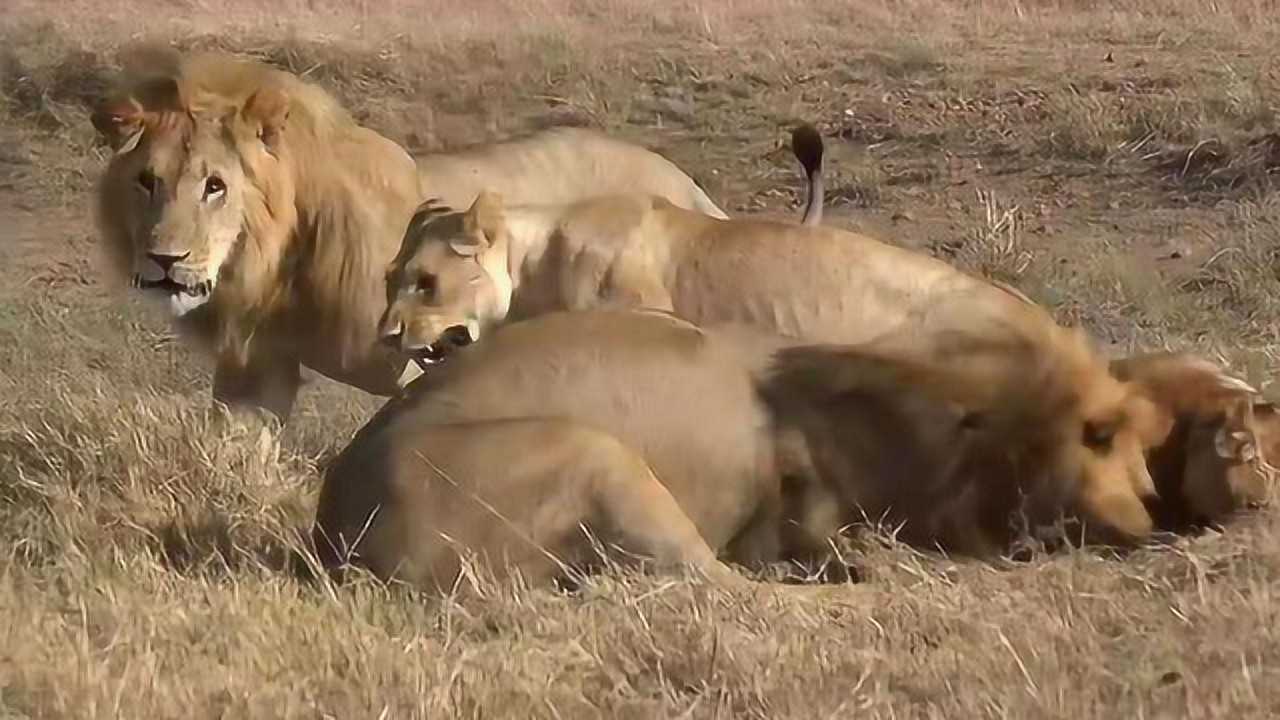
[[1113, 162]]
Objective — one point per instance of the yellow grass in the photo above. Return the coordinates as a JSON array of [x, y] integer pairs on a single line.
[[1111, 159]]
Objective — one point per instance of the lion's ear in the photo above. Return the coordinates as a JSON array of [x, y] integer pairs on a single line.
[[121, 119], [1234, 444], [267, 111], [120, 122], [481, 225]]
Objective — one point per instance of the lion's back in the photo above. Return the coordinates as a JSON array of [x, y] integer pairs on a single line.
[[556, 166]]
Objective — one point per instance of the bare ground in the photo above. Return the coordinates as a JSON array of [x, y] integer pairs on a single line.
[[1117, 164]]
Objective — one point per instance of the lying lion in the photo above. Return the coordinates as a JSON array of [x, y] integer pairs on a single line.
[[639, 426], [264, 215], [1217, 460], [1214, 460]]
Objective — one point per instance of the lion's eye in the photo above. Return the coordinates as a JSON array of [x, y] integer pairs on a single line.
[[147, 181], [426, 284], [214, 187], [1099, 435]]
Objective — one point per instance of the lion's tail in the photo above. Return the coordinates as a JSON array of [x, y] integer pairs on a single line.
[[806, 145]]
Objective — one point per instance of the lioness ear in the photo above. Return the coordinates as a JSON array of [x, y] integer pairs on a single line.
[[267, 111], [120, 122], [1234, 445], [481, 225]]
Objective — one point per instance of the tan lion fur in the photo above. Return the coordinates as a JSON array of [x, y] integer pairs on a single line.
[[283, 265], [495, 263], [432, 501], [765, 452]]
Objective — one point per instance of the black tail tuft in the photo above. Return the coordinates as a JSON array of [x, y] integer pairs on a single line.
[[806, 144]]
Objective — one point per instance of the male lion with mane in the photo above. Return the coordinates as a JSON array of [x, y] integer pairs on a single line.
[[264, 215], [684, 444]]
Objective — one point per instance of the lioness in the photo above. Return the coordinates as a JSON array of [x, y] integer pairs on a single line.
[[766, 447], [459, 273], [433, 495], [1217, 459], [253, 204]]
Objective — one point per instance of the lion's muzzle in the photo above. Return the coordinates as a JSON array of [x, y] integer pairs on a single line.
[[162, 274]]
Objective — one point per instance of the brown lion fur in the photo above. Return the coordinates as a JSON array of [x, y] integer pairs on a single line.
[[991, 427], [754, 436], [1217, 458]]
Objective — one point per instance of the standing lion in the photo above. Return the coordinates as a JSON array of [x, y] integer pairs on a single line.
[[264, 215]]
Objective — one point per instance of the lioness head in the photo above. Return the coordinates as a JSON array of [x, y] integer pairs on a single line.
[[450, 280], [1227, 467], [188, 177], [1217, 459]]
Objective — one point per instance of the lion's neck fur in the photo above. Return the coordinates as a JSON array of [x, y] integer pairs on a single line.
[[303, 221], [960, 436]]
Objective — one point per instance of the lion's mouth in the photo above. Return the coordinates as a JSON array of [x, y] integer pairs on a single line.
[[172, 287], [451, 339]]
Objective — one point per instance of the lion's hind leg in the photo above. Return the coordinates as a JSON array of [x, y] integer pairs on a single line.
[[637, 512], [536, 497]]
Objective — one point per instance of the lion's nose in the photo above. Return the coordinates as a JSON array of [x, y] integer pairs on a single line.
[[166, 260]]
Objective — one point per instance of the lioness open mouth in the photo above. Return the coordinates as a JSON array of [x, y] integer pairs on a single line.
[[451, 339]]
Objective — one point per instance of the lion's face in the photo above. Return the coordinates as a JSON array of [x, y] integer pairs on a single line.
[[1108, 451], [179, 193], [184, 212], [449, 282]]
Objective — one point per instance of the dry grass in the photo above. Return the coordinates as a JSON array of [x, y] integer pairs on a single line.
[[1114, 163]]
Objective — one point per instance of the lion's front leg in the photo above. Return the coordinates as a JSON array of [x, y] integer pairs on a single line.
[[269, 382], [634, 285], [650, 296], [596, 281]]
